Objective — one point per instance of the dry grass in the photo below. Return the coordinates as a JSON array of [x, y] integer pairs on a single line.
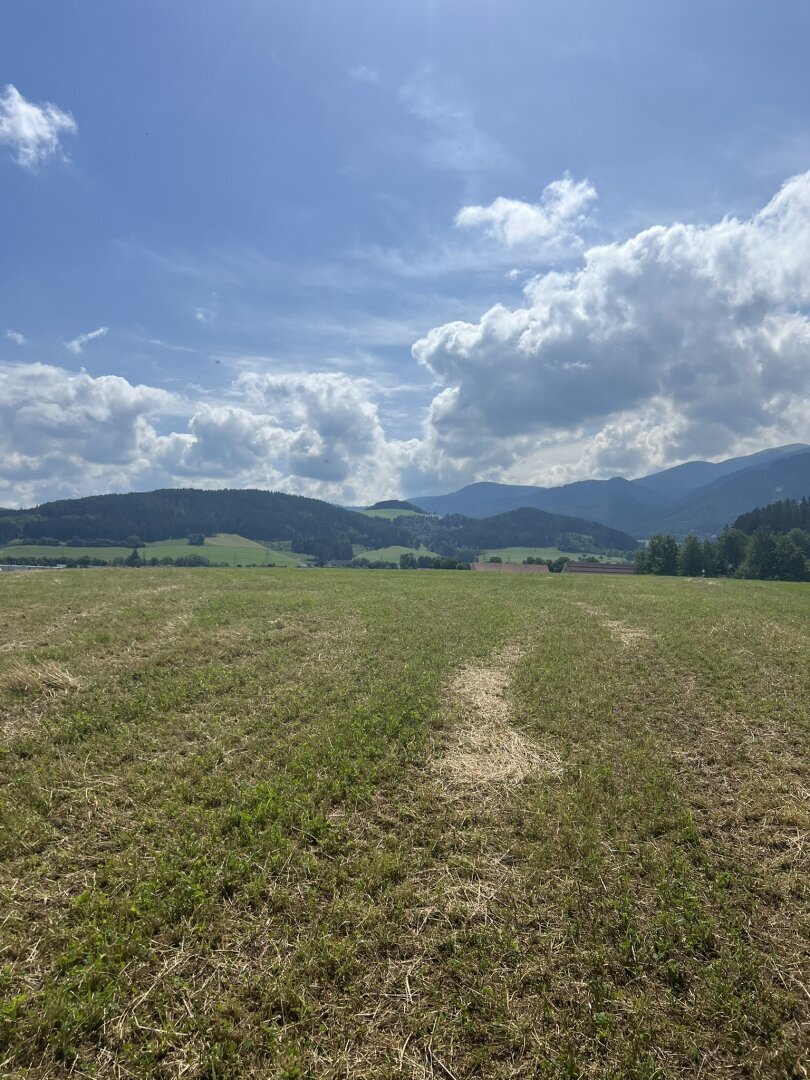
[[47, 677], [627, 635], [483, 748]]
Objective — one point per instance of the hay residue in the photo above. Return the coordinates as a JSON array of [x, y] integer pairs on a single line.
[[47, 677], [484, 749], [629, 636]]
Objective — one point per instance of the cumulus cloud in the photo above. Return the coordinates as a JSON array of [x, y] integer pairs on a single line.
[[561, 211], [32, 132], [16, 337], [77, 344], [64, 433], [681, 341]]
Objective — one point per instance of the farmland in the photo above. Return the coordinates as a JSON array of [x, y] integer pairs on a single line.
[[392, 553], [391, 514], [224, 547], [518, 554], [287, 824]]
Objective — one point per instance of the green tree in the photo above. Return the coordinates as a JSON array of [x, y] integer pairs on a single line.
[[662, 554], [407, 561], [690, 557], [711, 566], [801, 538], [732, 549], [790, 563], [496, 559], [134, 559], [761, 560], [196, 539]]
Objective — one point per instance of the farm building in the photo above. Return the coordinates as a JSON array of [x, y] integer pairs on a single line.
[[598, 568], [512, 568]]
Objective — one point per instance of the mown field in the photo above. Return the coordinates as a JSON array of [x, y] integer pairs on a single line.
[[392, 553], [392, 514], [329, 824], [222, 548], [518, 554]]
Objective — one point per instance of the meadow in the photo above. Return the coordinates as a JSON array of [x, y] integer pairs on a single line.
[[323, 823], [392, 553], [391, 514], [518, 554], [222, 548]]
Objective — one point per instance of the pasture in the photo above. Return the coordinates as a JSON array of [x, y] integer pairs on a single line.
[[391, 514], [392, 553], [222, 548], [343, 824], [518, 554]]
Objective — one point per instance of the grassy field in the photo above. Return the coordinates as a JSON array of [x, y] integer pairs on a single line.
[[224, 547], [326, 824], [518, 554], [391, 514], [392, 554]]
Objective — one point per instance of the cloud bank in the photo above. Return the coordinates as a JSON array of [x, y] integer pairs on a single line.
[[682, 341]]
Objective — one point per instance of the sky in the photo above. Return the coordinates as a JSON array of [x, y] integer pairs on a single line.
[[364, 249]]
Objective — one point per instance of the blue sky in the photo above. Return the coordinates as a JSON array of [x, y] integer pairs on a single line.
[[361, 249]]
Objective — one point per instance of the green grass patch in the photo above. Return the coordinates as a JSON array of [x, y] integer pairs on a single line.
[[392, 554], [392, 514], [224, 547], [228, 847], [518, 554]]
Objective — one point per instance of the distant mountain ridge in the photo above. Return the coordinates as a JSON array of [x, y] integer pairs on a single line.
[[698, 496]]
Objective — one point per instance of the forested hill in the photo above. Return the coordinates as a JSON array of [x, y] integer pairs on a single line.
[[311, 526], [526, 527], [780, 516]]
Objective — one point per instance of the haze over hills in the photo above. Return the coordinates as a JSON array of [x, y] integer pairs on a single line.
[[698, 496]]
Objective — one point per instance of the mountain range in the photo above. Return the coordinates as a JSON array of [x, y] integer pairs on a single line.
[[698, 496]]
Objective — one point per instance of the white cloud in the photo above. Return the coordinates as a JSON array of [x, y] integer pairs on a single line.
[[158, 343], [682, 341], [32, 132], [16, 337], [77, 344], [64, 433], [552, 222]]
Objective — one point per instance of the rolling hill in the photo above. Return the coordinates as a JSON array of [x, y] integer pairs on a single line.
[[309, 525]]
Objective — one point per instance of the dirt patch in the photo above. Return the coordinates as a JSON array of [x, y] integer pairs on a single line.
[[484, 749]]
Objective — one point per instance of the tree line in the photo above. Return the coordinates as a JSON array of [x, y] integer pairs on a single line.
[[783, 516], [764, 555]]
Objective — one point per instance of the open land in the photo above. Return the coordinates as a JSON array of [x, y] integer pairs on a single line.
[[392, 514], [222, 548], [321, 824], [518, 554], [392, 553]]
